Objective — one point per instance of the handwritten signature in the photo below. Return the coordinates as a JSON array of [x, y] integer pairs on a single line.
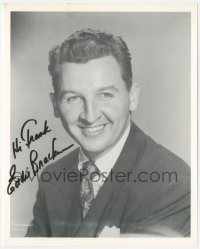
[[27, 137], [18, 178]]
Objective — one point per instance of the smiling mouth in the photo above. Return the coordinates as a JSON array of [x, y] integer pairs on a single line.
[[93, 130]]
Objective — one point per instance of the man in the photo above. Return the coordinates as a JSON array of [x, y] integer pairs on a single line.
[[121, 169]]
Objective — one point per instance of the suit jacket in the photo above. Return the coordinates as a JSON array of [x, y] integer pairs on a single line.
[[149, 202]]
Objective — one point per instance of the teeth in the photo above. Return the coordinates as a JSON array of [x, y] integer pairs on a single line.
[[94, 129]]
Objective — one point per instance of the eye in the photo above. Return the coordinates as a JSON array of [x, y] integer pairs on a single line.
[[73, 99], [106, 95]]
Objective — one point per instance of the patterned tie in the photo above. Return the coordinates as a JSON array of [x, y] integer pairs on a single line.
[[87, 192]]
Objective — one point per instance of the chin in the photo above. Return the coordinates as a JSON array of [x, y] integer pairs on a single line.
[[93, 149], [96, 152]]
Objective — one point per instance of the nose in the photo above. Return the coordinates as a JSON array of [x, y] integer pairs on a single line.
[[90, 111]]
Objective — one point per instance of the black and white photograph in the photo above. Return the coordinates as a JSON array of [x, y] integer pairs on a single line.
[[101, 123]]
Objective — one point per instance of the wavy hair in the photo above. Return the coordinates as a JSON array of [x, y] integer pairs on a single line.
[[88, 44]]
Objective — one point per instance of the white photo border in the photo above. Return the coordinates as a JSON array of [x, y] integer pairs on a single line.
[[8, 241]]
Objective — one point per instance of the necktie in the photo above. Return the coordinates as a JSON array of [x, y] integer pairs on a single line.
[[89, 171]]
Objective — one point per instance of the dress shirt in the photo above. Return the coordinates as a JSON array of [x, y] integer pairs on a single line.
[[106, 162]]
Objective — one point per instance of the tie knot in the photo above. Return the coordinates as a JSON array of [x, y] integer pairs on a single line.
[[90, 168]]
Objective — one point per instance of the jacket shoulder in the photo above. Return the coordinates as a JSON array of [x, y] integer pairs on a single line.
[[158, 157]]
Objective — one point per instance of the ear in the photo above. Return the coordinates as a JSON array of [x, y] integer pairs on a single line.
[[134, 96], [54, 103]]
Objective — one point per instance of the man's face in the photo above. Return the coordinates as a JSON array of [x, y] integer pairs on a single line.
[[93, 104]]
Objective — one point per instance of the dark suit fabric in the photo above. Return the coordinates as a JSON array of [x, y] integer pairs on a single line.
[[157, 208]]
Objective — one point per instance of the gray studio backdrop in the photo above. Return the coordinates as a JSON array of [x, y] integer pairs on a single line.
[[160, 48]]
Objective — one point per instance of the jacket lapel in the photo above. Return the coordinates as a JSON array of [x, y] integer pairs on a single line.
[[63, 200], [97, 217]]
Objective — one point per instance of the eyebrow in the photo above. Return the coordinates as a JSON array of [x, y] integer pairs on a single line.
[[111, 87]]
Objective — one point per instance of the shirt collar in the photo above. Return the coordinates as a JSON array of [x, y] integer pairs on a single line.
[[107, 161]]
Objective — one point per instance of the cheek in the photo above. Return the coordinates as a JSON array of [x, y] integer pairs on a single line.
[[69, 114], [117, 109]]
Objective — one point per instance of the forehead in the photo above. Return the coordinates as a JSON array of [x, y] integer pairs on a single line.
[[95, 73]]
